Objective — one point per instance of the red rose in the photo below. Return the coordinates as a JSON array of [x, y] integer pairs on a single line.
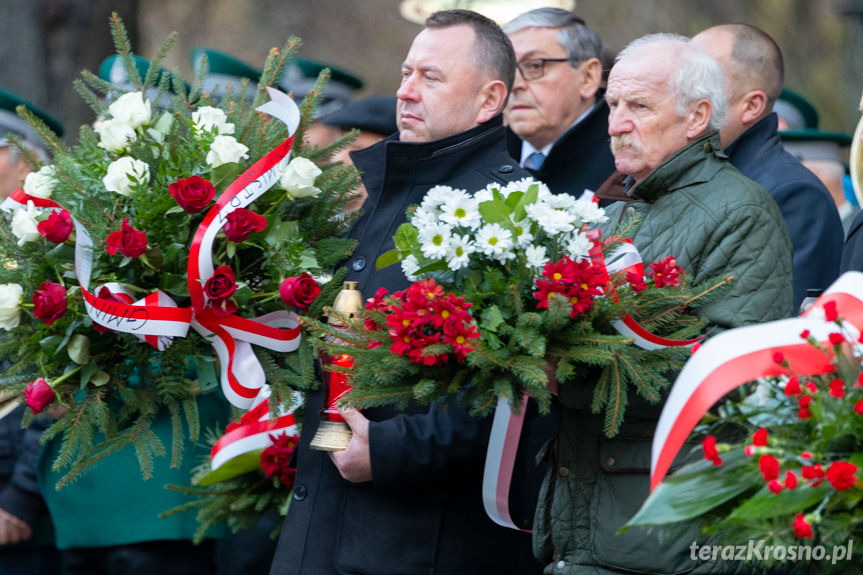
[[769, 466], [841, 476], [299, 291], [193, 194], [802, 528], [221, 285], [276, 459], [49, 302], [39, 395], [57, 227], [129, 241], [108, 295], [241, 223]]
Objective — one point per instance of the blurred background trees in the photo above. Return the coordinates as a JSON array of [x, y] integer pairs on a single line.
[[44, 44]]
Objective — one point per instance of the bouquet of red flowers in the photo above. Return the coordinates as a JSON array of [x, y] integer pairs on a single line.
[[512, 286]]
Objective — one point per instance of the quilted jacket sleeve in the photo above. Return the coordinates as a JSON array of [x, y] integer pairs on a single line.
[[752, 245]]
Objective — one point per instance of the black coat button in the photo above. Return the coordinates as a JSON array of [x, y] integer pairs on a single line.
[[359, 264], [506, 168], [300, 492]]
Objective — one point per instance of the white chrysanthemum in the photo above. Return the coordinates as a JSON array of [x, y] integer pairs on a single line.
[[560, 201], [493, 240], [578, 247], [434, 241], [553, 222], [410, 265], [460, 249], [523, 237], [461, 210], [536, 256], [424, 218], [436, 196], [589, 212], [524, 184]]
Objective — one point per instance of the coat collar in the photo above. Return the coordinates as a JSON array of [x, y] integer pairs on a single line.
[[748, 148]]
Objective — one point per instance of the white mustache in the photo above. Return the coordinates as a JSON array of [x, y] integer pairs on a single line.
[[624, 141]]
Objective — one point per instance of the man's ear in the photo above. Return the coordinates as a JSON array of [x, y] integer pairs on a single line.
[[754, 105], [592, 71], [491, 99], [698, 118]]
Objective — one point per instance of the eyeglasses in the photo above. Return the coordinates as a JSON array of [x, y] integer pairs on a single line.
[[534, 68]]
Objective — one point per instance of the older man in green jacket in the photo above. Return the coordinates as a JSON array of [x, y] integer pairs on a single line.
[[666, 102]]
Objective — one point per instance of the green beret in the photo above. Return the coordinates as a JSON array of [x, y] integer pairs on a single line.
[[300, 76], [796, 110], [223, 70], [12, 123]]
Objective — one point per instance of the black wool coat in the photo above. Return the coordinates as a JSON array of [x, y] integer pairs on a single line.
[[422, 512], [809, 211]]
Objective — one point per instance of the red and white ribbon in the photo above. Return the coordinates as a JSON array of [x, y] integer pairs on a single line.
[[500, 461], [232, 337], [253, 432], [740, 355]]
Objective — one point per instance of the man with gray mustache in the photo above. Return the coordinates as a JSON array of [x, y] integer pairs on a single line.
[[666, 102]]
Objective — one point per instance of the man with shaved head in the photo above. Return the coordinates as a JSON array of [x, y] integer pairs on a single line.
[[754, 70]]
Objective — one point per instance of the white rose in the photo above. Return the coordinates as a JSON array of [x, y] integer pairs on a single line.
[[115, 135], [132, 109], [226, 150], [210, 119], [123, 174], [24, 224], [299, 178], [40, 184], [10, 300]]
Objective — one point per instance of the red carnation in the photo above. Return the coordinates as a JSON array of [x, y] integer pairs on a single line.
[[802, 528], [666, 272], [299, 291], [778, 357], [276, 459], [804, 334], [769, 467], [39, 395], [830, 313], [759, 438], [193, 194], [710, 452], [57, 227], [793, 386], [241, 223], [774, 486], [858, 407], [129, 241], [836, 338], [49, 302], [812, 472], [841, 476], [790, 480], [837, 388]]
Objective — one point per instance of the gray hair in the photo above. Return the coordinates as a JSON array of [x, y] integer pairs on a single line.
[[697, 77], [580, 41]]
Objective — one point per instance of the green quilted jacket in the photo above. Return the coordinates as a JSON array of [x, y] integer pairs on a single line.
[[698, 208]]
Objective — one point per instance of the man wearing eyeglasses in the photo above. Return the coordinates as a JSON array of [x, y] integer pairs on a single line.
[[558, 129]]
